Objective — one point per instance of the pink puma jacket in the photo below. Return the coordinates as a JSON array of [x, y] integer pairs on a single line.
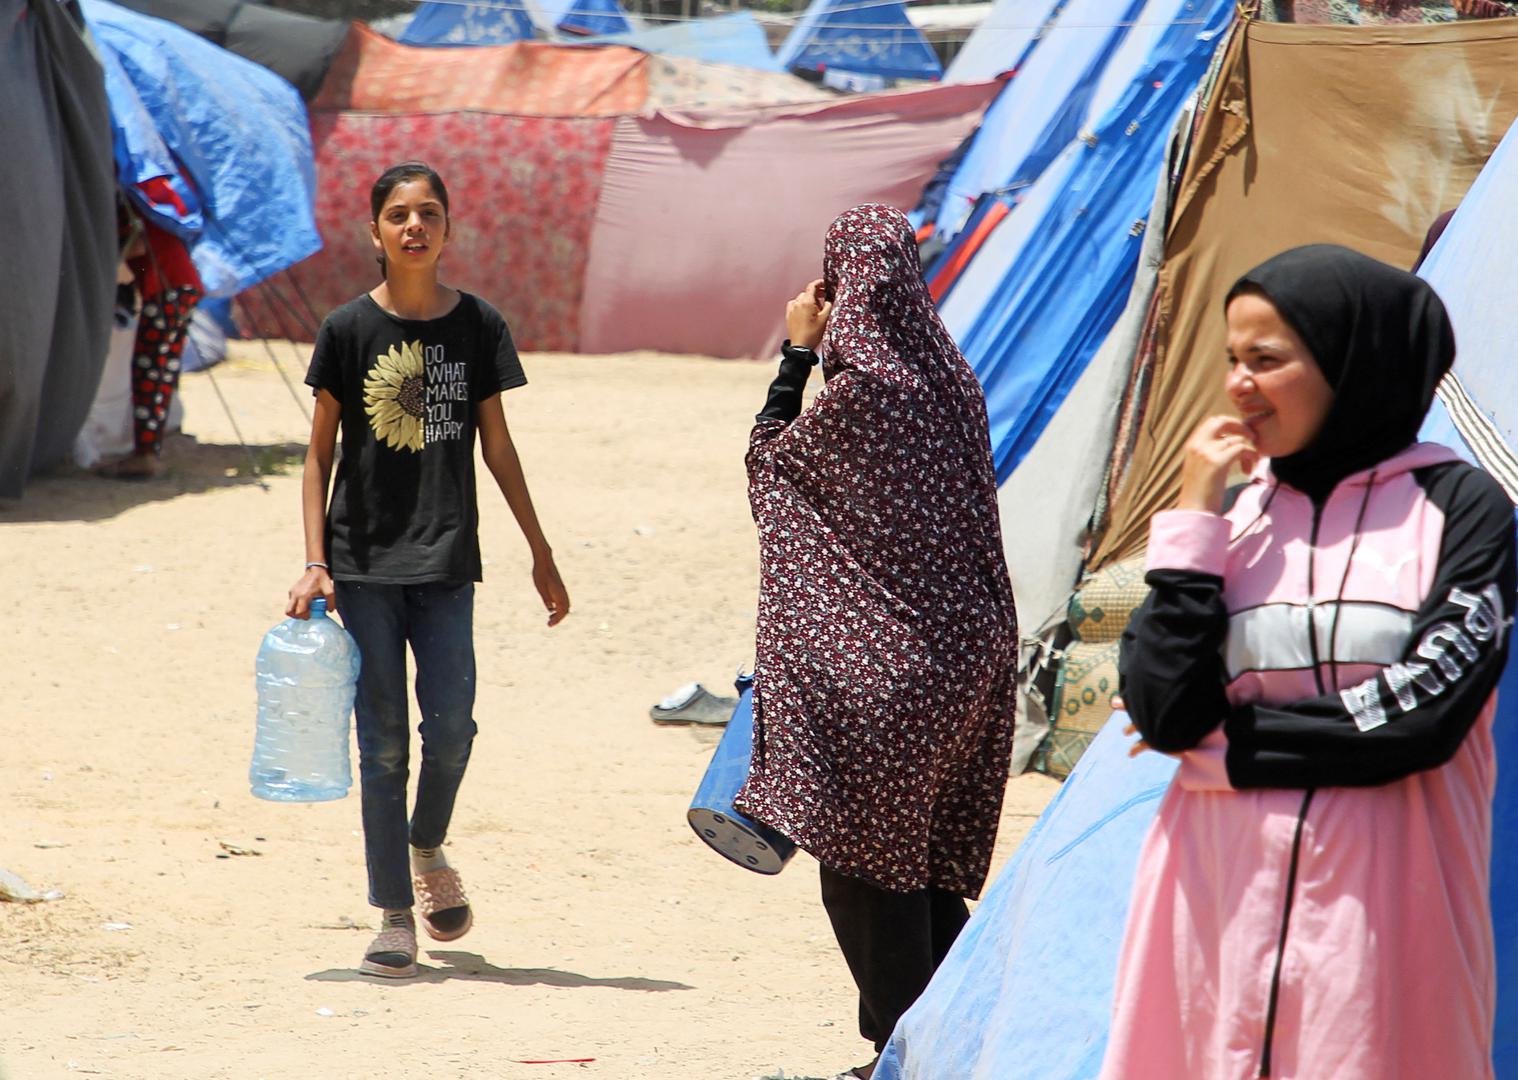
[[1311, 900]]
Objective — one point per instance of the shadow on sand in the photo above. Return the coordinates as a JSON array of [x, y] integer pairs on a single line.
[[69, 493], [472, 967]]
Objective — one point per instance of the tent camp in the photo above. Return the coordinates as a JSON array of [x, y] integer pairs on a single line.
[[598, 230], [594, 187], [58, 299], [864, 39], [1038, 959], [1035, 966]]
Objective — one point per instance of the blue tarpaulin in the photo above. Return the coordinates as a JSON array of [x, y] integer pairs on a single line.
[[735, 39], [1041, 108], [595, 17], [502, 22], [868, 37], [1468, 267], [483, 23], [228, 133], [1026, 990], [1002, 41], [1032, 332]]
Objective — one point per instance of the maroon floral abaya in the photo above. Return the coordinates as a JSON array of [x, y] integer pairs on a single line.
[[887, 640]]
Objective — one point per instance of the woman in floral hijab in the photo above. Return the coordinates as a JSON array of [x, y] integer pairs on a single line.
[[887, 641]]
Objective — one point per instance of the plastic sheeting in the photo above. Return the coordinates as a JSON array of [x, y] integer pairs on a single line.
[[1042, 107], [735, 39], [482, 23], [1015, 163], [1026, 991], [1353, 135], [684, 196], [502, 22], [374, 74], [1045, 550], [58, 288], [233, 129], [595, 17], [1035, 330], [298, 48], [1002, 40], [874, 38], [1466, 267]]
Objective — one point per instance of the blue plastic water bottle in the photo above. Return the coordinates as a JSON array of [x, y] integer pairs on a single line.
[[307, 676]]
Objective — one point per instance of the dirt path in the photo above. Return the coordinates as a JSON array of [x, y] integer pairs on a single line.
[[604, 930]]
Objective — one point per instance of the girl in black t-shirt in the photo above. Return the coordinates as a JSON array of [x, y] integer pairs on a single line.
[[410, 372]]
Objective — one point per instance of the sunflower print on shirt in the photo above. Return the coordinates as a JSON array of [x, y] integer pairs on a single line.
[[395, 397]]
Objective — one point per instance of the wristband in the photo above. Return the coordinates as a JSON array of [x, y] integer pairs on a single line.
[[323, 565]]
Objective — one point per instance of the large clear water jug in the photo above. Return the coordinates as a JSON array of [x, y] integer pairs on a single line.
[[307, 676]]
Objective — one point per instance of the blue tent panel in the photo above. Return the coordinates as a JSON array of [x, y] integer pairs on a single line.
[[1474, 252], [1003, 41], [595, 17], [229, 130], [1035, 965], [1061, 291], [1044, 105], [735, 39], [483, 23], [871, 38]]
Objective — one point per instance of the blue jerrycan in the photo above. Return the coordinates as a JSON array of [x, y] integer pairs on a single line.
[[751, 844], [307, 675]]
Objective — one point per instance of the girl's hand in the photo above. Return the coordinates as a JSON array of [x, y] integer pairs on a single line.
[[545, 578], [313, 583], [806, 317], [1217, 444]]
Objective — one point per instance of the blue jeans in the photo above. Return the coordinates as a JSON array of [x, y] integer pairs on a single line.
[[438, 621]]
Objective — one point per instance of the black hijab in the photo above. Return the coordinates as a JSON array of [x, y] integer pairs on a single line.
[[1382, 340]]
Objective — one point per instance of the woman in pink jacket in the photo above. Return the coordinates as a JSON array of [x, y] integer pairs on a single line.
[[1320, 648]]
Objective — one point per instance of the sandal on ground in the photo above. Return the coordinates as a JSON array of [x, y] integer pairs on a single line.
[[693, 704], [858, 1072], [445, 908], [135, 467], [392, 954]]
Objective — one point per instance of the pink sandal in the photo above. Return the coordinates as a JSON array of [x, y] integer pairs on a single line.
[[440, 892], [392, 954]]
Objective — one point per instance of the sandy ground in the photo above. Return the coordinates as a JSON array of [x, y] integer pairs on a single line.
[[604, 929]]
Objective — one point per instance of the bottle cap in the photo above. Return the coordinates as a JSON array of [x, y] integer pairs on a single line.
[[318, 606]]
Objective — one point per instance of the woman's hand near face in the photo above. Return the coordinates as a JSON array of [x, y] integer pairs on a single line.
[[1217, 444], [806, 317]]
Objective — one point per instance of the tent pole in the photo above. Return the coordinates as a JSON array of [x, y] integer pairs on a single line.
[[246, 449], [262, 337]]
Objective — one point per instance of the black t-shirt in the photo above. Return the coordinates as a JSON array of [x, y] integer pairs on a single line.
[[403, 508]]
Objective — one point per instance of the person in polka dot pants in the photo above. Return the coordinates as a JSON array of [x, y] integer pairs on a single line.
[[169, 288]]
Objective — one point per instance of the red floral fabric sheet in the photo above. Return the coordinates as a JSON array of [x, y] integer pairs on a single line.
[[522, 193]]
